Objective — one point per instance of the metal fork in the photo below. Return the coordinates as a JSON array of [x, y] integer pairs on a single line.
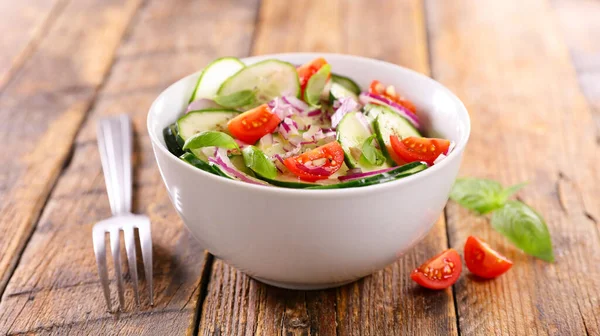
[[114, 144]]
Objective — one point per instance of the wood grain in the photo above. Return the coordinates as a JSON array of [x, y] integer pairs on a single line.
[[386, 303], [530, 122], [55, 289], [42, 109], [22, 24], [581, 28]]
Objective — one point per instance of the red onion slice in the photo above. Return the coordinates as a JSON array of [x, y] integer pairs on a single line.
[[367, 97], [348, 177], [320, 171], [296, 103], [266, 140], [287, 106], [347, 105], [224, 163], [314, 113]]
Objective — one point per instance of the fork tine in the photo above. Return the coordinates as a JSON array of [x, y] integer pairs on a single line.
[[116, 254], [146, 244], [98, 236], [131, 260]]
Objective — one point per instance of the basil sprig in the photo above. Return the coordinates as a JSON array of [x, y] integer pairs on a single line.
[[370, 153], [210, 139], [481, 195], [525, 228], [258, 161], [522, 225]]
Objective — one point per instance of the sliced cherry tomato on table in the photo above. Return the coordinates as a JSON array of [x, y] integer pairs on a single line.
[[253, 124], [317, 164], [307, 70], [419, 149], [390, 92], [439, 272], [483, 261]]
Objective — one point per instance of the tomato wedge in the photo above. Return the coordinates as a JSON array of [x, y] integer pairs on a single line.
[[318, 163], [483, 261], [419, 149], [307, 70], [439, 272], [253, 124], [390, 92]]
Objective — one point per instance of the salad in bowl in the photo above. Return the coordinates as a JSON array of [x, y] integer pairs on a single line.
[[305, 126], [302, 171]]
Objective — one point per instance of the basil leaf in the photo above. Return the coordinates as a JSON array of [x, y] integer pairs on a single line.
[[237, 99], [525, 228], [479, 195], [370, 153], [256, 160], [210, 139]]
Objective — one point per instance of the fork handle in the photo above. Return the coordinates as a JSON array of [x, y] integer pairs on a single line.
[[114, 144]]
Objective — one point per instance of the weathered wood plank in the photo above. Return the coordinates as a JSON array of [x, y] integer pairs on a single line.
[[581, 27], [530, 121], [23, 24], [55, 289], [386, 303], [42, 109]]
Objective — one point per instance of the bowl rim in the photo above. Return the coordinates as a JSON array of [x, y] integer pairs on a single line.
[[325, 193]]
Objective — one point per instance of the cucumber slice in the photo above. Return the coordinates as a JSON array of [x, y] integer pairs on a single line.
[[238, 162], [346, 82], [171, 140], [351, 134], [206, 120], [267, 79], [371, 111], [315, 85], [397, 173], [389, 123], [199, 163], [338, 91], [214, 75], [287, 181]]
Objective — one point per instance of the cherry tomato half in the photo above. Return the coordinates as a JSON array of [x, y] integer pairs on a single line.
[[318, 163], [483, 261], [439, 272], [253, 124], [419, 149], [390, 93], [307, 70]]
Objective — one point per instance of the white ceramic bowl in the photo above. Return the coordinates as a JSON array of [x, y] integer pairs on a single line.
[[310, 239]]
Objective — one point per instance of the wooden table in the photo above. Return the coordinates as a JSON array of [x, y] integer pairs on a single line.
[[527, 70]]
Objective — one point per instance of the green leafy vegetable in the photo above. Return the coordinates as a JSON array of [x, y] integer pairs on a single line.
[[482, 195], [370, 153], [479, 195], [210, 139], [237, 99], [256, 160], [525, 228]]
